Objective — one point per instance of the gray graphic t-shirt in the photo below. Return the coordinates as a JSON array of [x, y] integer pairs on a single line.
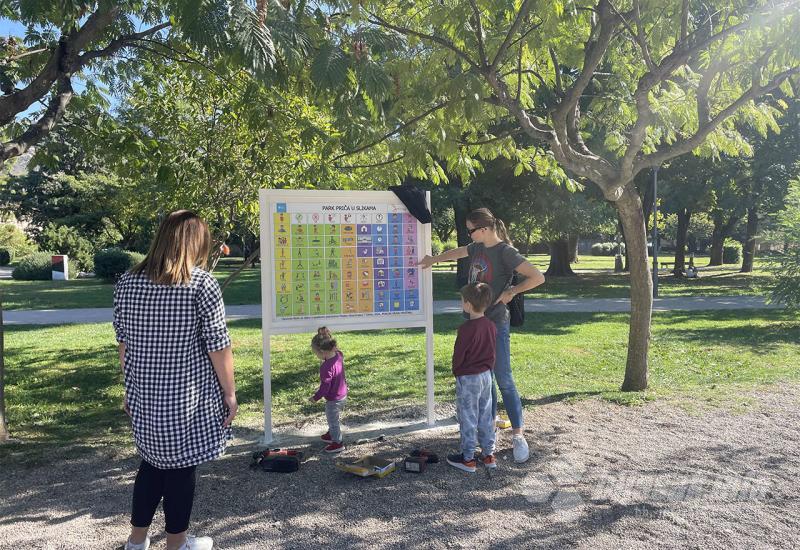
[[494, 266]]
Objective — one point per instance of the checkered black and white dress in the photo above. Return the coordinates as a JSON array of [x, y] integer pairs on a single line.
[[172, 390]]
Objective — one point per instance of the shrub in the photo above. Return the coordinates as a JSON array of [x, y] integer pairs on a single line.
[[6, 256], [110, 263], [67, 240], [607, 249], [39, 267], [731, 252], [786, 266]]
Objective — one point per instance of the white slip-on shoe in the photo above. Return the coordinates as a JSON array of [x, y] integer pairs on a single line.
[[197, 543], [141, 546], [521, 451]]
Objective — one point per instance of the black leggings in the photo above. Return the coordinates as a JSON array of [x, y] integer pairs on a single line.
[[176, 487]]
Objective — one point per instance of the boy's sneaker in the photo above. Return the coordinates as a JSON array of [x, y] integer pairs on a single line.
[[141, 546], [521, 451], [326, 437], [457, 461], [489, 461], [334, 448], [197, 543]]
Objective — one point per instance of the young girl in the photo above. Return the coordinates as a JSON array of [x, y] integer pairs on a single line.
[[332, 386]]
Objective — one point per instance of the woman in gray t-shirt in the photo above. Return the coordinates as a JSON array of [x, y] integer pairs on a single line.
[[493, 261]]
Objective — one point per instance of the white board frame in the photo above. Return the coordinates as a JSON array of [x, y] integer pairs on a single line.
[[268, 198]]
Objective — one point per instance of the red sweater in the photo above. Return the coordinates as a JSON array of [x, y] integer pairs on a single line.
[[475, 347]]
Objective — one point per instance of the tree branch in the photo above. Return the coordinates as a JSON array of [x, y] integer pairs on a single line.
[[117, 44], [60, 63], [479, 33], [594, 52], [55, 110], [557, 71], [375, 165], [640, 36], [519, 73], [683, 147], [377, 20], [703, 87], [684, 22], [394, 132], [522, 36], [492, 139], [682, 52], [521, 16], [24, 54]]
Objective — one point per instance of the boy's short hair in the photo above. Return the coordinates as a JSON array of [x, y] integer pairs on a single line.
[[478, 295]]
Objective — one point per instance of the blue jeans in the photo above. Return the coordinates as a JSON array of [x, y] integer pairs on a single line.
[[505, 380], [332, 411], [474, 409]]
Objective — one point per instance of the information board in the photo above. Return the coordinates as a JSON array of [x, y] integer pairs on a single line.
[[343, 256], [346, 260]]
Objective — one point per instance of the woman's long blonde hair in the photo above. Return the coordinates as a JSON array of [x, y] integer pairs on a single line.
[[182, 242]]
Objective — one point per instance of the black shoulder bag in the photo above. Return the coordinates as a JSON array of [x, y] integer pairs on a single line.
[[516, 307]]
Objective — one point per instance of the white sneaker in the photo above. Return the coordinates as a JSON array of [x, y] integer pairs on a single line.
[[521, 451], [197, 543], [141, 546]]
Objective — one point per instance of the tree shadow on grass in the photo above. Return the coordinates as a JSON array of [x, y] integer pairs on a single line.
[[683, 326], [559, 397]]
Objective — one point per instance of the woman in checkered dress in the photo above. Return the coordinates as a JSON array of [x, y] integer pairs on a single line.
[[176, 357]]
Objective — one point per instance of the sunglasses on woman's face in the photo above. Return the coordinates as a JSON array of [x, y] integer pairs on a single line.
[[473, 230]]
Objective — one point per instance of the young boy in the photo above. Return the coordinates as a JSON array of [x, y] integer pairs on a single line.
[[473, 361]]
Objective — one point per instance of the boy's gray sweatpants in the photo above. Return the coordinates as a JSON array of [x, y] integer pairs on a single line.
[[332, 411], [474, 409]]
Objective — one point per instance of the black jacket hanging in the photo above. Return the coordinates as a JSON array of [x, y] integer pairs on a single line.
[[414, 199]]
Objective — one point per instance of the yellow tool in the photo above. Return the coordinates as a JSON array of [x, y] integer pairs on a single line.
[[503, 422]]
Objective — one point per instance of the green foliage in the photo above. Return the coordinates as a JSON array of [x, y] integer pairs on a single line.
[[13, 239], [106, 37], [731, 252], [786, 266], [69, 241], [92, 204], [110, 263], [6, 256], [209, 140], [438, 246], [39, 267]]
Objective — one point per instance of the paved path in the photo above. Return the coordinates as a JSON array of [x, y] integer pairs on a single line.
[[555, 305]]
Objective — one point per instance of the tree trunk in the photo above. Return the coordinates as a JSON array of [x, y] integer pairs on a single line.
[[461, 210], [621, 228], [631, 215], [716, 245], [3, 424], [721, 231], [247, 263], [684, 217], [750, 241], [559, 259], [573, 249]]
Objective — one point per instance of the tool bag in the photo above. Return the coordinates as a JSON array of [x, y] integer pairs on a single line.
[[277, 460]]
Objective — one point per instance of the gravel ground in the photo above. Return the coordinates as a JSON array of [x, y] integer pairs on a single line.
[[601, 476]]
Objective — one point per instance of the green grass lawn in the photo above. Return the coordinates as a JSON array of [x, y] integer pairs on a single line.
[[595, 279], [63, 383]]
